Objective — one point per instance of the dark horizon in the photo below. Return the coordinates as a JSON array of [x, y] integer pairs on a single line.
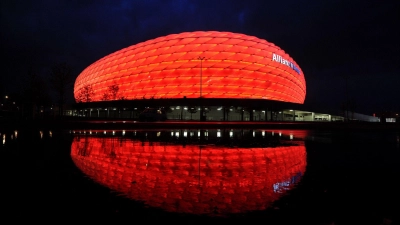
[[347, 50]]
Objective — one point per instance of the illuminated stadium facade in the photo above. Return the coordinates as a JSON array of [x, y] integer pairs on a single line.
[[206, 75], [213, 179]]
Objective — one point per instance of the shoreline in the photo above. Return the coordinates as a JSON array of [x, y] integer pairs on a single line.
[[178, 124]]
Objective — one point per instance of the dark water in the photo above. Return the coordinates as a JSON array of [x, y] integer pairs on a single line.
[[197, 176]]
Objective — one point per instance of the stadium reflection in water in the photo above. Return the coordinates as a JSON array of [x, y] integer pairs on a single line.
[[213, 172]]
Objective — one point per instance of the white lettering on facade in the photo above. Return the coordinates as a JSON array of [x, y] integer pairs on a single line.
[[280, 59]]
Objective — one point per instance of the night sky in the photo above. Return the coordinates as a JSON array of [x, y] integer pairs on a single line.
[[334, 42]]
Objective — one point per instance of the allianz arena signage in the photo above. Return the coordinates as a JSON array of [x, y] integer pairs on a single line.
[[206, 64], [280, 59]]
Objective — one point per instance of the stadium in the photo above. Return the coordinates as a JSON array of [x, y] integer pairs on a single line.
[[176, 178], [203, 75]]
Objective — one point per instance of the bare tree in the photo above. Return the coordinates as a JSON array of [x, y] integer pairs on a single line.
[[112, 93], [36, 95], [348, 107], [61, 79], [85, 94], [106, 96], [113, 89]]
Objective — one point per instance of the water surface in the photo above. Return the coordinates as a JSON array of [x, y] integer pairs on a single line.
[[207, 175]]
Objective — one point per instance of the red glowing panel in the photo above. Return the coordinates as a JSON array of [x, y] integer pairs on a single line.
[[234, 66], [186, 179]]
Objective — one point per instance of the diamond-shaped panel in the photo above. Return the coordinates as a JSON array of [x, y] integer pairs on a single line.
[[246, 66]]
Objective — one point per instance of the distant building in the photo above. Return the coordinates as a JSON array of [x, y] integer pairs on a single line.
[[388, 117], [353, 116]]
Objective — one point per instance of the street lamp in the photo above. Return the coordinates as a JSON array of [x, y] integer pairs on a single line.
[[201, 83], [201, 74]]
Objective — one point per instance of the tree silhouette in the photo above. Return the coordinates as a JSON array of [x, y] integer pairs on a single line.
[[112, 93], [349, 108], [61, 79], [85, 94], [106, 96], [35, 94], [113, 89]]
